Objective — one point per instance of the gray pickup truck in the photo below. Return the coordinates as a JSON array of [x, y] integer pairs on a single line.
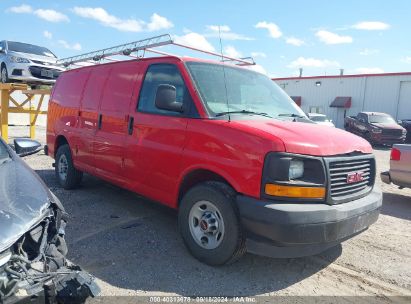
[[400, 167]]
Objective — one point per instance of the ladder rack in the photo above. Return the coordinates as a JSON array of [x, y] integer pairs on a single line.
[[144, 45]]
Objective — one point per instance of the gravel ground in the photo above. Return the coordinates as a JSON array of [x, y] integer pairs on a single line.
[[133, 248]]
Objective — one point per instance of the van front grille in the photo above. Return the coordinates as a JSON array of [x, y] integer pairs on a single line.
[[350, 177]]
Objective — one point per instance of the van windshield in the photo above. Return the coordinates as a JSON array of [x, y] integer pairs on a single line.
[[237, 90], [29, 49]]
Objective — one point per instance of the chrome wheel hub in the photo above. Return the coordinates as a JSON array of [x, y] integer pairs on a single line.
[[62, 167], [206, 225]]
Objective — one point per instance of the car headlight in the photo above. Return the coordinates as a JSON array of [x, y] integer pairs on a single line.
[[376, 131], [293, 176], [19, 59]]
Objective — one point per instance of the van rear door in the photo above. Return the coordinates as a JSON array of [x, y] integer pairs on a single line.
[[108, 148]]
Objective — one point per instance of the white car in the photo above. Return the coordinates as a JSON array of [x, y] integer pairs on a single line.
[[320, 119], [27, 63]]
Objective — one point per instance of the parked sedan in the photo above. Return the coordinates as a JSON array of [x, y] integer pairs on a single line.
[[32, 244], [400, 167], [320, 119], [27, 63]]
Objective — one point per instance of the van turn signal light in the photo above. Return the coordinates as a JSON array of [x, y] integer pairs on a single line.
[[296, 192]]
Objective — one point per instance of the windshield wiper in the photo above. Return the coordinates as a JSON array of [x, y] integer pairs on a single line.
[[291, 115], [243, 112]]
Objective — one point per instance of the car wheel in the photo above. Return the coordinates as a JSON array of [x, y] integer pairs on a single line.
[[4, 76], [209, 224], [67, 175]]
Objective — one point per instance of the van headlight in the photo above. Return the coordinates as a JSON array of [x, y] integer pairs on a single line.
[[19, 59], [288, 176], [296, 169]]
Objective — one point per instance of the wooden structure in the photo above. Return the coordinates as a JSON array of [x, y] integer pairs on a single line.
[[31, 105]]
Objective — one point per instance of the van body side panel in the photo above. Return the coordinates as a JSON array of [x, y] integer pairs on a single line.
[[88, 116], [110, 138], [236, 156], [64, 106]]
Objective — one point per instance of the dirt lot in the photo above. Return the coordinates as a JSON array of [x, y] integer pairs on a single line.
[[133, 247]]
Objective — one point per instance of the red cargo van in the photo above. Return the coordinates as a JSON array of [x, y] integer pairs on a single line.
[[222, 144]]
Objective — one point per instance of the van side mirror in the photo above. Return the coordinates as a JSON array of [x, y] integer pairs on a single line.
[[25, 147], [166, 96]]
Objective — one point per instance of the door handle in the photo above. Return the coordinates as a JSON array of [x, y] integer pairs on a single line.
[[100, 121], [130, 125]]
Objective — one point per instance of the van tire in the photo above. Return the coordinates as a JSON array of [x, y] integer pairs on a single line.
[[221, 199], [4, 76], [67, 175]]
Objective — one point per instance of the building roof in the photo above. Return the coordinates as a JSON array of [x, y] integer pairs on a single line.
[[344, 76]]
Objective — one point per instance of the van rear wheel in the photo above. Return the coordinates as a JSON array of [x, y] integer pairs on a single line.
[[209, 224], [67, 175]]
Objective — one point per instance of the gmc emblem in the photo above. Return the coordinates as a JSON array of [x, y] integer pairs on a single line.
[[355, 177]]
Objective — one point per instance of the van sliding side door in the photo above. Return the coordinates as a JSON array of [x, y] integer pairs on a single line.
[[112, 122]]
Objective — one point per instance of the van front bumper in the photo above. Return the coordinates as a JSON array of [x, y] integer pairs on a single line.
[[286, 230]]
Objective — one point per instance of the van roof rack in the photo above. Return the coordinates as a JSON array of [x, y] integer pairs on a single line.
[[144, 45]]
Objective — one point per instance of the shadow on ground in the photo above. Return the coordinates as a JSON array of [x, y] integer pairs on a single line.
[[132, 243], [396, 205]]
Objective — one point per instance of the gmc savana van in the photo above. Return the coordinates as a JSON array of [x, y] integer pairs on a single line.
[[222, 144]]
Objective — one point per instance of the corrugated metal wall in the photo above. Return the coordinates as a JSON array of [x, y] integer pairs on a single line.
[[368, 93]]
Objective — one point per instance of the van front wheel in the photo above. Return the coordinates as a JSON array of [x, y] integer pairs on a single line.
[[67, 175], [209, 224]]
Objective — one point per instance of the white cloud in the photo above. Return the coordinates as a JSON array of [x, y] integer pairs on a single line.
[[214, 31], [75, 46], [22, 9], [369, 70], [294, 41], [195, 40], [45, 14], [51, 15], [371, 26], [273, 29], [332, 38], [302, 62], [48, 35], [156, 23], [231, 51], [369, 52], [259, 54], [407, 59]]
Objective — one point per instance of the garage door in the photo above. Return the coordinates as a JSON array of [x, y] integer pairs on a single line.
[[404, 104]]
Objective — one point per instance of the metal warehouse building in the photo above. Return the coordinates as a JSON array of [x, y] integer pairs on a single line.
[[346, 95]]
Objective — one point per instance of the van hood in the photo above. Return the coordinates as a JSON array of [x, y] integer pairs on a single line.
[[307, 138], [24, 201]]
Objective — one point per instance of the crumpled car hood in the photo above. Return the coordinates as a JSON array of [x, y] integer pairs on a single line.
[[24, 201]]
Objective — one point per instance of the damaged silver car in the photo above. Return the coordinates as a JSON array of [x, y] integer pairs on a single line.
[[33, 250]]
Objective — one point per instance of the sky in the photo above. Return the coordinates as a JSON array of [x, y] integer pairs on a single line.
[[321, 37]]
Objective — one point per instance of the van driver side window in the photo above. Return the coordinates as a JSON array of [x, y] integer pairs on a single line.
[[159, 74]]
